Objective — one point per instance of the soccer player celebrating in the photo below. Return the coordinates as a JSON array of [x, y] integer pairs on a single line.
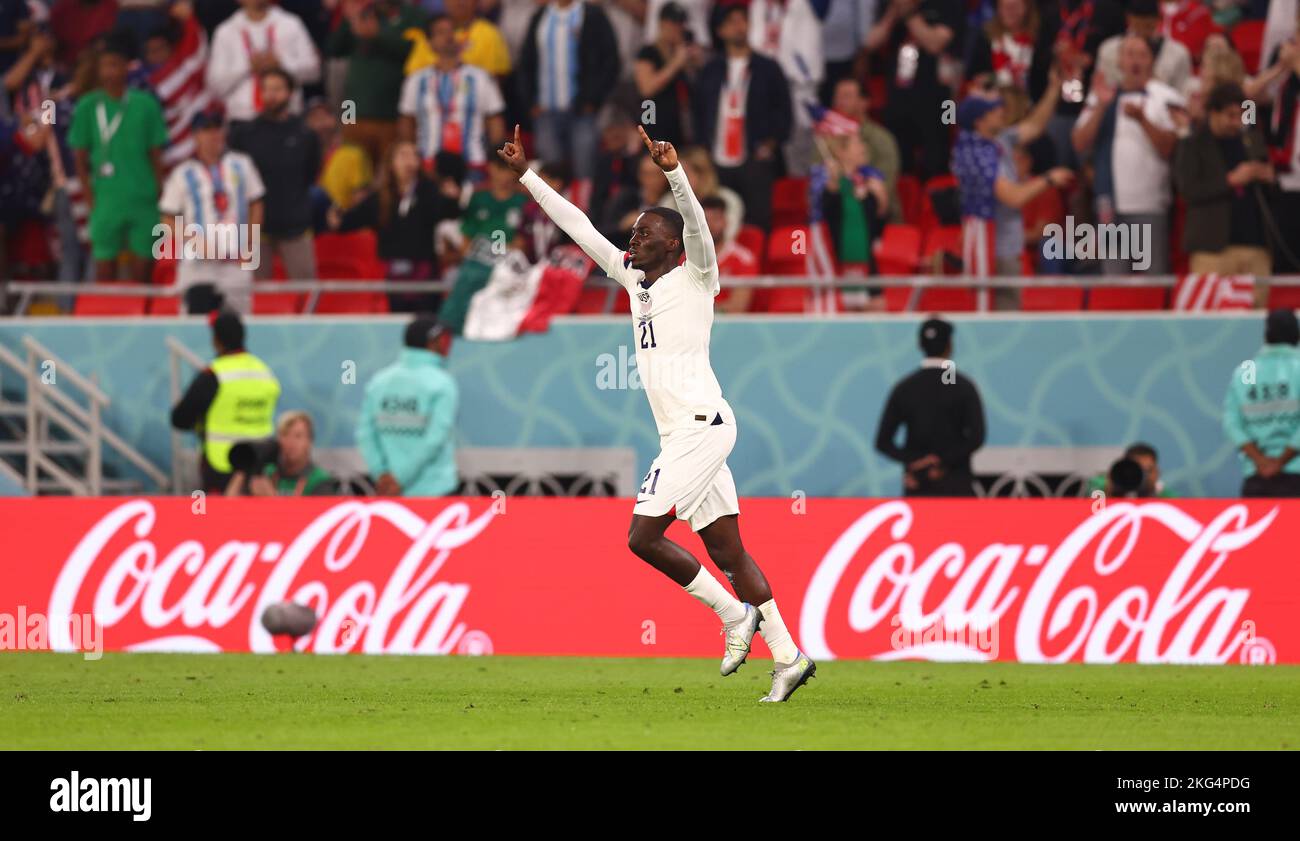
[[672, 315]]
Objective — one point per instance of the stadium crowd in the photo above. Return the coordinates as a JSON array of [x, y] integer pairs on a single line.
[[870, 137]]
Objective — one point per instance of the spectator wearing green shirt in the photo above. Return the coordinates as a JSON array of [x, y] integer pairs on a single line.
[[293, 473], [490, 226], [118, 135], [1261, 412], [1149, 484], [375, 38]]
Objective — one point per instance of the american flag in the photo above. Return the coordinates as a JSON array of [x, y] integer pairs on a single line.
[[1212, 292], [829, 122], [180, 86]]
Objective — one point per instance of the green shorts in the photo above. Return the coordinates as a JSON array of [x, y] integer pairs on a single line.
[[117, 226]]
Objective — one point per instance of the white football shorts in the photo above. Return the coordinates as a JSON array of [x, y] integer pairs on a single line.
[[691, 474]]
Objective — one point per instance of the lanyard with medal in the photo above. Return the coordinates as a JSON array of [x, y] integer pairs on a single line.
[[106, 131], [451, 130], [220, 200]]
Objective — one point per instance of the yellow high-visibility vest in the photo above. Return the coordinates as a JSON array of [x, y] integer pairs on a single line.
[[244, 408]]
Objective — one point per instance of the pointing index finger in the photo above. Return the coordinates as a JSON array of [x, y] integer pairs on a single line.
[[518, 141], [649, 145]]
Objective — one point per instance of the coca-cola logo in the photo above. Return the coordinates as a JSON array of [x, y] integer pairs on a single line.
[[1058, 606], [180, 597]]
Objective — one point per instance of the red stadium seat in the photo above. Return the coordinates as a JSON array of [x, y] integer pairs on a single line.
[[595, 299], [790, 201], [780, 299], [112, 304], [945, 239], [277, 303], [948, 299], [753, 238], [350, 256], [787, 250], [898, 250], [1248, 38], [170, 305], [909, 198], [1123, 298], [1051, 299], [928, 217], [164, 273], [1284, 297]]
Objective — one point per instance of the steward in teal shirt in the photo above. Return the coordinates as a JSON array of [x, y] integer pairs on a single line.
[[405, 430], [1261, 413]]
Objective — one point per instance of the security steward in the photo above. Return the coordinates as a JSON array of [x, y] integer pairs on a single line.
[[232, 400]]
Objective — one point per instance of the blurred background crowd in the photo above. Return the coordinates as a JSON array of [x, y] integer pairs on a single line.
[[874, 137]]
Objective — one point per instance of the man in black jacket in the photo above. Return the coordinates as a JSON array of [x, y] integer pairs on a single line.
[[567, 67], [287, 154], [1223, 172], [742, 114], [944, 418]]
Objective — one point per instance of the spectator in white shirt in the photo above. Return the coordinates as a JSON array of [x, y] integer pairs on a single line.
[[1173, 61], [211, 195], [256, 38], [789, 32], [1132, 133], [451, 106]]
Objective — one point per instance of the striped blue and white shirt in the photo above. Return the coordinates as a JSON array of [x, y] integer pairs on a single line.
[[463, 98], [557, 56], [192, 189]]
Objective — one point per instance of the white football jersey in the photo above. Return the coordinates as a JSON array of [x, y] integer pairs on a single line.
[[671, 319]]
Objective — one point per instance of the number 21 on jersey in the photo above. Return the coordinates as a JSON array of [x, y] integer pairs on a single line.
[[647, 333]]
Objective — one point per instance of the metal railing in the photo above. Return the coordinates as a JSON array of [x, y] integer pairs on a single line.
[[26, 291], [47, 406]]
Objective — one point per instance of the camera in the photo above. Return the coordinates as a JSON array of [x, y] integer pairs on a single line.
[[252, 457], [1127, 478]]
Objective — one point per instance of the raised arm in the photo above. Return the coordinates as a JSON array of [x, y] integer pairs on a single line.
[[563, 213], [701, 259]]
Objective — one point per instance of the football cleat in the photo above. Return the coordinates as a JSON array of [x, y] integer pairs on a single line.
[[739, 638], [786, 679]]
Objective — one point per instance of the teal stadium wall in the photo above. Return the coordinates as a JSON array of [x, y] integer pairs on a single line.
[[807, 392]]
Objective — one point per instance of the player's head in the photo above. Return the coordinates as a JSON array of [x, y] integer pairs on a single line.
[[1282, 328], [277, 87], [209, 133], [557, 175], [715, 214], [114, 60], [935, 338], [1223, 109], [227, 332], [1147, 458], [850, 98], [672, 23], [442, 36], [1144, 18], [1135, 60], [158, 45], [731, 24], [656, 238], [425, 332]]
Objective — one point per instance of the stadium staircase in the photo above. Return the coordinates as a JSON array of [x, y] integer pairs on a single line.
[[53, 438]]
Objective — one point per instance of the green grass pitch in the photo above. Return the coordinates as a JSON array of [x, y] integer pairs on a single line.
[[307, 701]]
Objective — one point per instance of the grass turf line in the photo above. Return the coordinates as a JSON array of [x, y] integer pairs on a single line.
[[128, 701]]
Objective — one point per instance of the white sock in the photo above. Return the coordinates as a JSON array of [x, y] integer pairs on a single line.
[[773, 631], [710, 591]]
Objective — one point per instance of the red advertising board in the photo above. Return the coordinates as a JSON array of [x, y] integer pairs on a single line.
[[1205, 581]]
